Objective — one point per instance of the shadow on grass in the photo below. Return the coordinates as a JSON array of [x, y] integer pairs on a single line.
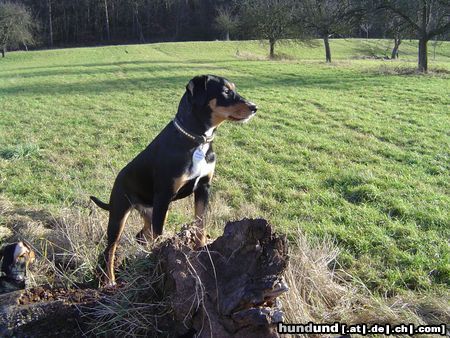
[[371, 49], [18, 219], [104, 68], [153, 81], [88, 65]]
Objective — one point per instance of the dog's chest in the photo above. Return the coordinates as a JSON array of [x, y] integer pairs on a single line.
[[200, 167]]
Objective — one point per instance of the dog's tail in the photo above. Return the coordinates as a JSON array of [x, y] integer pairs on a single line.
[[100, 203]]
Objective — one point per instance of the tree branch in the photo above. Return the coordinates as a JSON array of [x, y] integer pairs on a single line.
[[400, 13], [439, 30]]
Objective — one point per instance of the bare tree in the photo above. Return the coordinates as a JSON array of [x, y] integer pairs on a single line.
[[366, 26], [108, 36], [327, 18], [16, 25], [268, 19], [225, 21], [137, 26], [50, 23], [436, 42], [396, 29], [426, 18]]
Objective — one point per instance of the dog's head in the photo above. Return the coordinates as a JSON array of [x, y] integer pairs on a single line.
[[216, 100], [16, 259]]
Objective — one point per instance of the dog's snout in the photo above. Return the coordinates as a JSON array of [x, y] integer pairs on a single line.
[[253, 107]]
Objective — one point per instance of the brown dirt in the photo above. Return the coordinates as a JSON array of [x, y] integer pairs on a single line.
[[46, 293]]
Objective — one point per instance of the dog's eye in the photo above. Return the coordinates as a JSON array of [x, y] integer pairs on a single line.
[[227, 91]]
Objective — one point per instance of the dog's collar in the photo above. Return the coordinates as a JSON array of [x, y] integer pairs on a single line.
[[200, 139]]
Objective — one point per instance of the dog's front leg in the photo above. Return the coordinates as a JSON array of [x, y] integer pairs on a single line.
[[160, 206], [201, 198]]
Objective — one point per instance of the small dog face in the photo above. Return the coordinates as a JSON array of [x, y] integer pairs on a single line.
[[16, 259], [216, 100]]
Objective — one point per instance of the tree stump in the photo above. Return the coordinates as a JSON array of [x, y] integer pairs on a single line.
[[230, 287]]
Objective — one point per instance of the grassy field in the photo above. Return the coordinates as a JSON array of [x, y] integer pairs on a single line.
[[356, 151]]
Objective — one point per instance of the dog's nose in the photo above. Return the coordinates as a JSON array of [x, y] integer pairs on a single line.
[[253, 107]]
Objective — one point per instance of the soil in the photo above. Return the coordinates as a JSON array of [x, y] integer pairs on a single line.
[[46, 293]]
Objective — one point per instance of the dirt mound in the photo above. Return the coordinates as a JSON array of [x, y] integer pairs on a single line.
[[44, 311]]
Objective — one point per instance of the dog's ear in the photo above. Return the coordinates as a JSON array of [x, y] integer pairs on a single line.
[[196, 90], [8, 256], [31, 256]]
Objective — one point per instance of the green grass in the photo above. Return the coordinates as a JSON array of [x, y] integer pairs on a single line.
[[354, 150]]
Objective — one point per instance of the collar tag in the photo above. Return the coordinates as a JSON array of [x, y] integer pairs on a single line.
[[198, 155]]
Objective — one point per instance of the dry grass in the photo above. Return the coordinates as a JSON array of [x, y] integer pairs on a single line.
[[67, 245], [407, 69], [138, 309], [321, 293]]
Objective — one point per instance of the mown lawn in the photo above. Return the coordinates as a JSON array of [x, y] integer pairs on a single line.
[[357, 151]]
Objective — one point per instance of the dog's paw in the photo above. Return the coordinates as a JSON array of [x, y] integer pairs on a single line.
[[143, 239], [110, 285]]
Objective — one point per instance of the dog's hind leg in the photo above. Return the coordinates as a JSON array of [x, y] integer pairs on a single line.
[[146, 233], [117, 218]]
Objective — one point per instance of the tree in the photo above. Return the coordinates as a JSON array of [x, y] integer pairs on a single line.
[[225, 21], [327, 18], [16, 26], [425, 18], [268, 19], [50, 23], [366, 26], [397, 30], [108, 35]]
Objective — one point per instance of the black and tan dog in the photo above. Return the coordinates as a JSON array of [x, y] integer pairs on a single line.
[[16, 258], [178, 162]]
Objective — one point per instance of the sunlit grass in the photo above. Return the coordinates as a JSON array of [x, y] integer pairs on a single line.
[[356, 150]]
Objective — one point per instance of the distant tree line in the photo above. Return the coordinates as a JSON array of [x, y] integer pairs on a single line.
[[62, 23]]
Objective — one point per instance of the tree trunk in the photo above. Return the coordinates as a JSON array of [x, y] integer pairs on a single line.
[[65, 27], [423, 54], [423, 39], [87, 26], [149, 19], [397, 42], [272, 49], [434, 47], [227, 36], [139, 33], [3, 52], [50, 24], [326, 42], [108, 36], [178, 20]]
